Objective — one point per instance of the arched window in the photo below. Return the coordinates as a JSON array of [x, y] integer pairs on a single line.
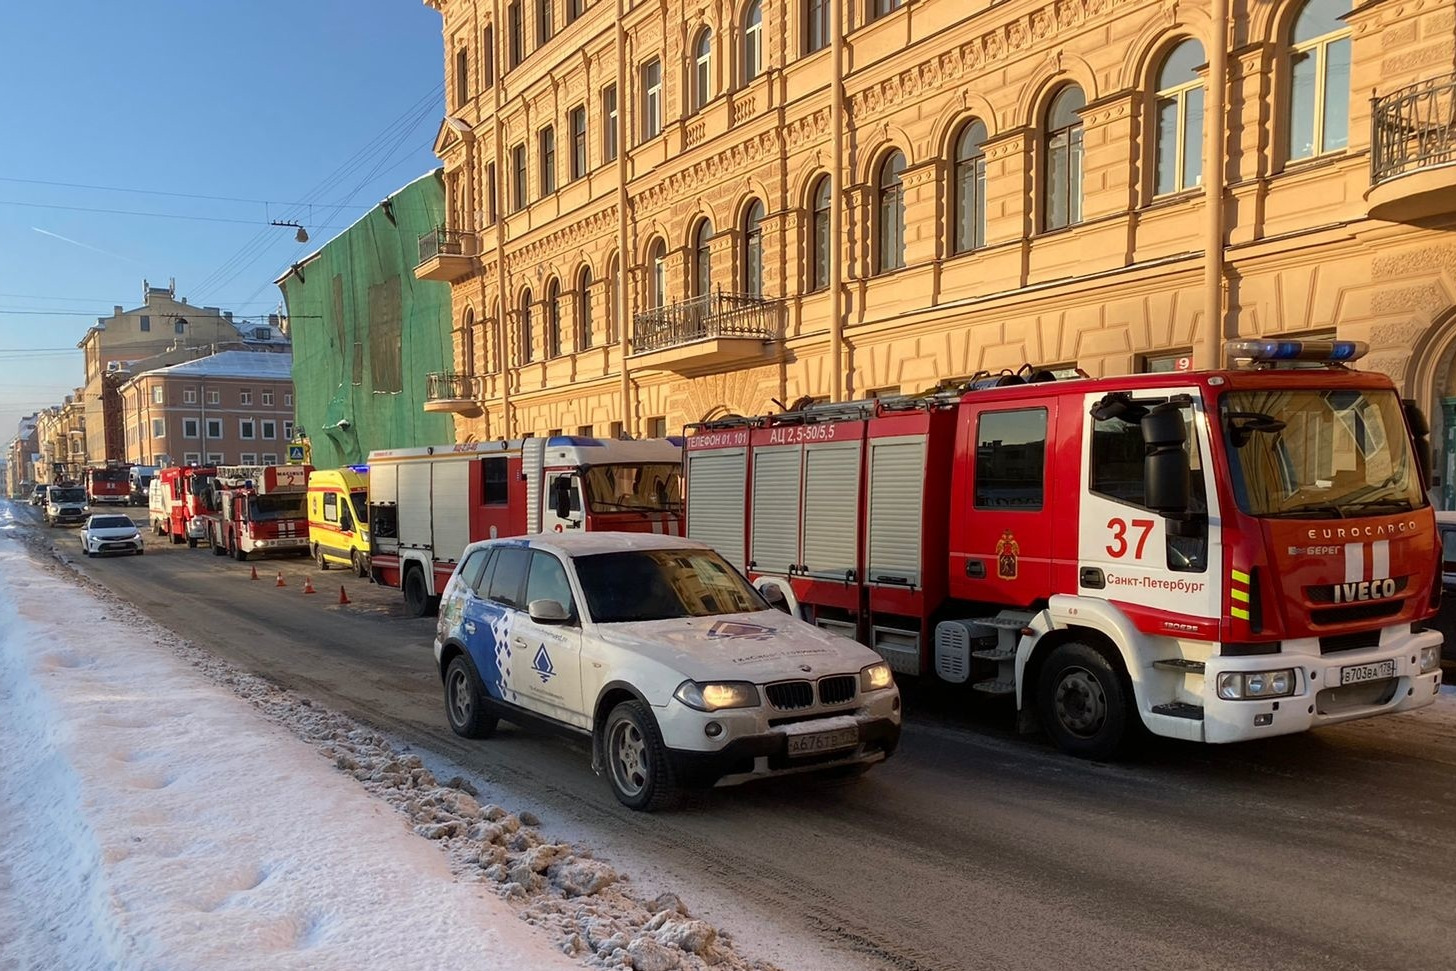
[[614, 283], [493, 360], [657, 283], [1179, 163], [970, 188], [702, 259], [467, 342], [703, 70], [584, 309], [820, 248], [553, 319], [523, 335], [753, 249], [1062, 193], [752, 41], [890, 210], [1319, 80]]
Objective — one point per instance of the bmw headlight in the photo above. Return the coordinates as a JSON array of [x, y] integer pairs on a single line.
[[1240, 685], [876, 677], [716, 695]]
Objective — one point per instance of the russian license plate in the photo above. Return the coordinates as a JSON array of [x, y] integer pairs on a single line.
[[821, 742], [1357, 673]]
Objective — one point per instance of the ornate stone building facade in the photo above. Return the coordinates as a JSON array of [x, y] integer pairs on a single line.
[[662, 212]]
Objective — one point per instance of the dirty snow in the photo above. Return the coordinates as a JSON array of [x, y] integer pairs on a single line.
[[163, 809]]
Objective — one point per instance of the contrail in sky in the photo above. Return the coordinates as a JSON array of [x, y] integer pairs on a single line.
[[73, 242]]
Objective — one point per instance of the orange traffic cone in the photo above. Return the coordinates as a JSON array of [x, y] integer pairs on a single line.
[[280, 582], [308, 585], [255, 574], [343, 597]]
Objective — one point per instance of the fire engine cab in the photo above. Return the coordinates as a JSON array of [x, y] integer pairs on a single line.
[[258, 509], [183, 515], [427, 504], [1216, 556]]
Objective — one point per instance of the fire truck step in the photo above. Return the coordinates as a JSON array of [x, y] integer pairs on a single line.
[[995, 687], [1006, 620], [994, 655], [1180, 664], [1179, 709]]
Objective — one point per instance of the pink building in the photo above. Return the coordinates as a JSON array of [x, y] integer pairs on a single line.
[[233, 408]]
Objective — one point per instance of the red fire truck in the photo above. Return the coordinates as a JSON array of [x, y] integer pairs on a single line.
[[258, 509], [1216, 556], [108, 484], [182, 489], [427, 504]]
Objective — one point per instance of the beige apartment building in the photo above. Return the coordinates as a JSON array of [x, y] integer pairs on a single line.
[[61, 441], [163, 322], [660, 213], [233, 408]]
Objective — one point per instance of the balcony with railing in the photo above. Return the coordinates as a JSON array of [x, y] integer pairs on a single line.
[[446, 255], [1413, 151], [457, 394], [713, 331]]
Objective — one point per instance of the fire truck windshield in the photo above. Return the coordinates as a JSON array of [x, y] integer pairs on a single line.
[[641, 585], [282, 506], [653, 487], [1313, 453]]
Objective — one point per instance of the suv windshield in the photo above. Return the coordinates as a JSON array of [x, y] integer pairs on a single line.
[[67, 495], [111, 522], [662, 584], [1330, 454], [654, 487]]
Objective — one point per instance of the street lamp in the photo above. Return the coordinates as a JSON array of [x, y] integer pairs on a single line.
[[301, 235]]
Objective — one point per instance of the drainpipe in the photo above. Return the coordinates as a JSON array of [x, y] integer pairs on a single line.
[[1213, 173], [502, 343], [836, 209], [623, 324]]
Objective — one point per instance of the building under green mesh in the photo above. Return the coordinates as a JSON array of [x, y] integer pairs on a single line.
[[365, 332]]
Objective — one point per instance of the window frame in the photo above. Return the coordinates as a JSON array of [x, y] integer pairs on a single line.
[[1074, 149], [821, 221], [516, 34], [1319, 49], [703, 69], [544, 26], [657, 274], [210, 425], [992, 412], [890, 202], [752, 242], [500, 486], [551, 298], [268, 428], [752, 42], [703, 258], [546, 150], [462, 76], [247, 429], [525, 351], [576, 120], [1177, 95], [584, 309], [610, 110], [651, 80], [501, 554], [191, 428], [518, 176], [816, 26], [159, 428], [968, 169]]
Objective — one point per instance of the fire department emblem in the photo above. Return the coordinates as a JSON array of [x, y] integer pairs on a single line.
[[1008, 551]]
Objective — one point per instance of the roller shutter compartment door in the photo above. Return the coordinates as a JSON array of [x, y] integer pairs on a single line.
[[831, 509], [897, 490], [716, 482], [773, 545]]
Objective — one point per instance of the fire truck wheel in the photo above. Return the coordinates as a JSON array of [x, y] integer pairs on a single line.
[[637, 764], [468, 717], [217, 548], [416, 597], [1084, 706], [192, 542], [319, 558], [240, 554]]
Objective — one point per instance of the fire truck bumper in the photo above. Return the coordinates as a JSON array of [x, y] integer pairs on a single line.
[[1401, 674], [294, 543], [746, 747]]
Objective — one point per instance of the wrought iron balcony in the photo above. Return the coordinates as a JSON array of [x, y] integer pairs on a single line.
[[446, 255], [457, 394], [1413, 151], [715, 328]]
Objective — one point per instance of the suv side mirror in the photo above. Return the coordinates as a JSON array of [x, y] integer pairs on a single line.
[[1165, 466], [547, 612], [774, 594]]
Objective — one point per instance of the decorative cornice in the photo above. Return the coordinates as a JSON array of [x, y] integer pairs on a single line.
[[725, 163]]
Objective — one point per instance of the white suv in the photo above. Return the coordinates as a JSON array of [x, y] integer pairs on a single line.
[[661, 653]]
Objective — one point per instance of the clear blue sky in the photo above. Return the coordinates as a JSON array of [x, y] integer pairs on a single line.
[[248, 99]]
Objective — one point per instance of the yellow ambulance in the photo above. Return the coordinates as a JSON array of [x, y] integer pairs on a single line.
[[338, 517]]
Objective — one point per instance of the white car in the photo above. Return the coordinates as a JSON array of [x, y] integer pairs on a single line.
[[664, 656], [110, 534]]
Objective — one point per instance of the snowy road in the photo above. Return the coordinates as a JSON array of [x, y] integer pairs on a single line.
[[973, 848]]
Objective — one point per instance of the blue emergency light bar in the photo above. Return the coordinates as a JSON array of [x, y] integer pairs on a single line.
[[1261, 351], [361, 469]]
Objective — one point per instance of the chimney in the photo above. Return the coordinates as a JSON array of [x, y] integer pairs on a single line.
[[116, 310]]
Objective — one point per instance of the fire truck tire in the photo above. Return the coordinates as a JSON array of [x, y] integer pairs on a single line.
[[416, 597], [240, 554], [192, 542], [173, 538], [637, 764], [319, 558], [217, 548], [463, 706], [1083, 702]]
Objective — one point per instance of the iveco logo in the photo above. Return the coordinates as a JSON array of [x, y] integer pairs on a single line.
[[1364, 590]]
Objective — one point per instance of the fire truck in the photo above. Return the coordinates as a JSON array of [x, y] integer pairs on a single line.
[[258, 509], [1212, 556], [108, 484], [427, 504], [182, 490]]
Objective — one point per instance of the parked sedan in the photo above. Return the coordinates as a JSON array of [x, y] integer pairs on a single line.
[[110, 534], [664, 656]]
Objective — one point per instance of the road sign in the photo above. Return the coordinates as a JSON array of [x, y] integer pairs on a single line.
[[296, 455]]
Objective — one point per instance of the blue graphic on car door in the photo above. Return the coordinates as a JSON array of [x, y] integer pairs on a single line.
[[487, 636]]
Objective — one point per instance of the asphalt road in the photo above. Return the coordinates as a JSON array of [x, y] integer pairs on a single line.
[[972, 848]]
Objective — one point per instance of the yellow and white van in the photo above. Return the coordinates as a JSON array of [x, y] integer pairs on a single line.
[[338, 517]]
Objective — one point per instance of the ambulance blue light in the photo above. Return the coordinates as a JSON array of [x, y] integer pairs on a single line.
[[361, 469], [1269, 350]]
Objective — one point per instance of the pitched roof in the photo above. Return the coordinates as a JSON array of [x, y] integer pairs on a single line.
[[233, 364]]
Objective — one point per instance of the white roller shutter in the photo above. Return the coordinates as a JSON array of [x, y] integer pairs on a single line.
[[414, 505], [773, 542], [452, 508], [897, 487], [831, 508], [716, 482]]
